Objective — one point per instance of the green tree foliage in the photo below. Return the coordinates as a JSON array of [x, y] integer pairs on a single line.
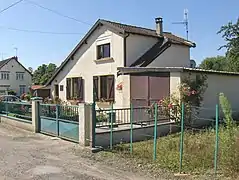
[[230, 33], [43, 73], [217, 63]]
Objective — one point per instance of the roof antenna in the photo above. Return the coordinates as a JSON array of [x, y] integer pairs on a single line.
[[16, 50], [185, 21]]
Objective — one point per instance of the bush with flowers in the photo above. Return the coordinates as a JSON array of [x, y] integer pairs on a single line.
[[191, 92]]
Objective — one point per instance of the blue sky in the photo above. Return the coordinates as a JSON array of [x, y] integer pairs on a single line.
[[205, 19]]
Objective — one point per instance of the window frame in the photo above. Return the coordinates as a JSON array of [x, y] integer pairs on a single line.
[[101, 47], [109, 94], [20, 89], [70, 90], [20, 76]]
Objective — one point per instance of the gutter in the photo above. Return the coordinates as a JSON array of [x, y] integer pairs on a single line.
[[124, 50]]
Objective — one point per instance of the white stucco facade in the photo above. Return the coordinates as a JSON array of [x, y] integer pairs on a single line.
[[174, 56], [13, 67], [136, 46], [86, 66]]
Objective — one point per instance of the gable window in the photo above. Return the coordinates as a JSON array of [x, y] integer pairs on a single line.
[[104, 88], [103, 51], [4, 76], [22, 89], [19, 76], [74, 88]]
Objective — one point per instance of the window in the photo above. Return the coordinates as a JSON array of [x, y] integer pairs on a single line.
[[103, 51], [56, 90], [104, 88], [22, 89], [74, 88], [61, 88], [4, 76], [19, 76]]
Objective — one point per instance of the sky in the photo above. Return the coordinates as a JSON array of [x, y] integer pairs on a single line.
[[33, 49]]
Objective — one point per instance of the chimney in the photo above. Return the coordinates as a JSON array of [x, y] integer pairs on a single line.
[[159, 25]]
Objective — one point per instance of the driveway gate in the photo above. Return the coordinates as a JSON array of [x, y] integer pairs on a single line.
[[60, 121]]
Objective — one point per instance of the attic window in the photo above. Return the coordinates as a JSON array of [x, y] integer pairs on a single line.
[[103, 51]]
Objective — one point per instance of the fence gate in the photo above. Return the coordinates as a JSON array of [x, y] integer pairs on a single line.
[[60, 121]]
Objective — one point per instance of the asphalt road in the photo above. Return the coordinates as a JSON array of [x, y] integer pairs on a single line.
[[25, 155]]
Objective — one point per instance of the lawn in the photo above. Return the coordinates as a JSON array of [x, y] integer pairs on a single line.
[[198, 154]]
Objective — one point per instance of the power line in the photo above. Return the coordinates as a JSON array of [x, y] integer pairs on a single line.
[[40, 32], [58, 13], [14, 4]]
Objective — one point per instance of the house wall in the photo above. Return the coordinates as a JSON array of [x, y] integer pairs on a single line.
[[85, 66], [13, 66], [174, 56], [136, 46], [217, 83]]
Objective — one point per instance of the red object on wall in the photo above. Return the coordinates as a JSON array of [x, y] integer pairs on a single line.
[[119, 86]]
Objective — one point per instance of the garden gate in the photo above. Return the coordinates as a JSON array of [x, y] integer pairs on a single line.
[[60, 121]]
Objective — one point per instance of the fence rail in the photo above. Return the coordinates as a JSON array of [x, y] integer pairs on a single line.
[[16, 109], [70, 113], [120, 116]]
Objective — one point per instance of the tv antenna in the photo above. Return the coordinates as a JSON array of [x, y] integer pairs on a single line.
[[184, 22]]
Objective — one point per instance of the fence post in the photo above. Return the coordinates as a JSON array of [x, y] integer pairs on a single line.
[[111, 126], [93, 124], [85, 125], [181, 138], [131, 128], [155, 129], [36, 114], [57, 119], [216, 140], [6, 108]]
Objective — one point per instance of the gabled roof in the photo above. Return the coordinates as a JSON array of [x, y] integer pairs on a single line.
[[5, 61], [123, 29]]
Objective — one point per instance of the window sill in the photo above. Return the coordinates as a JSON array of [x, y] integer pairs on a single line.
[[108, 59]]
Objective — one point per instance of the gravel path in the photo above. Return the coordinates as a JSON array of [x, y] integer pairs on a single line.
[[25, 155]]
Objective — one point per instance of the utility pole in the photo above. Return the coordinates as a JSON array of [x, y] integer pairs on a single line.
[[184, 22]]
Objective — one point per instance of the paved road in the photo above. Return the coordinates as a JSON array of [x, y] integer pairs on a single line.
[[25, 155]]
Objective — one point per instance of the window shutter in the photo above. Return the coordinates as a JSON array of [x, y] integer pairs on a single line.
[[96, 87], [81, 88], [68, 88], [111, 87]]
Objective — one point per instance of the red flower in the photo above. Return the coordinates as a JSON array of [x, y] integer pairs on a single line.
[[189, 93], [194, 92], [160, 102], [170, 106]]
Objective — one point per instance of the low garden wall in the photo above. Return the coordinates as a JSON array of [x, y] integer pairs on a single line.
[[122, 135]]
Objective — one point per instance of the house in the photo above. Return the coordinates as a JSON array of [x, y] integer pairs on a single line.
[[93, 63], [14, 76]]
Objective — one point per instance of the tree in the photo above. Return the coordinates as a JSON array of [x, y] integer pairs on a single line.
[[230, 33], [217, 63], [43, 73]]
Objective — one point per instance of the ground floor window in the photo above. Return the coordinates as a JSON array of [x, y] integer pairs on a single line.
[[22, 89], [74, 88], [104, 88]]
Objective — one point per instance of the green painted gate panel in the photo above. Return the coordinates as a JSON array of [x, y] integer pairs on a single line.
[[69, 130], [48, 126]]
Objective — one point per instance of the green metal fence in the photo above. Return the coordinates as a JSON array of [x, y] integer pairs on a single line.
[[60, 121], [19, 110], [121, 116], [197, 144]]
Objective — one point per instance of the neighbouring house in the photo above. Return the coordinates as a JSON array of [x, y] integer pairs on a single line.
[[14, 76], [108, 45]]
